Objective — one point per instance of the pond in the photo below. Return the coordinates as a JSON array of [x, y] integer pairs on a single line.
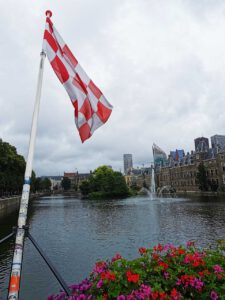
[[74, 233]]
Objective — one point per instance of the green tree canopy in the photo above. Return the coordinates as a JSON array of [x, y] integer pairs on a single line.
[[66, 183], [201, 177], [46, 184], [12, 167], [105, 183]]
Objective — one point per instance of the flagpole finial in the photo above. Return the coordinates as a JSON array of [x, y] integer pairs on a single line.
[[48, 13]]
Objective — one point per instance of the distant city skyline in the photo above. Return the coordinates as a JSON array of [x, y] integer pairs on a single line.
[[161, 64], [200, 144]]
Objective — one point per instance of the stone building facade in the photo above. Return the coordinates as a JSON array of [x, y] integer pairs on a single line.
[[76, 178], [139, 178], [182, 177]]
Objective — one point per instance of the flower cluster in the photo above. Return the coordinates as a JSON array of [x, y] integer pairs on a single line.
[[164, 272]]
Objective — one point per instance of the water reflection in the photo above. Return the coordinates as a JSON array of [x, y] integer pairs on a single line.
[[75, 233]]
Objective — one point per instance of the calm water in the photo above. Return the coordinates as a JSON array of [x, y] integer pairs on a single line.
[[75, 233]]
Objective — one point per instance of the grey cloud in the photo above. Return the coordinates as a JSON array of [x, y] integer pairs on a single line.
[[160, 63]]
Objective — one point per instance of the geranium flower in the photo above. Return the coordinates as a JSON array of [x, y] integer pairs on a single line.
[[142, 250], [181, 251], [116, 257], [158, 248], [131, 277], [175, 295], [108, 275], [163, 264]]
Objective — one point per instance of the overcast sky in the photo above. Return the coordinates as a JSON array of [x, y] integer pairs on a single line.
[[161, 64]]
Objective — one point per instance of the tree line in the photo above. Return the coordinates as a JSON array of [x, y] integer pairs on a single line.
[[12, 168]]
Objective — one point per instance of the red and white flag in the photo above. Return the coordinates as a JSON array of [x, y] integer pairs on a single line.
[[91, 109]]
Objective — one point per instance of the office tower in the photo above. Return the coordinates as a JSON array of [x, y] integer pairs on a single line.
[[128, 162]]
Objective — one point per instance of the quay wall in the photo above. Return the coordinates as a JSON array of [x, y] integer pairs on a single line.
[[9, 205], [200, 193]]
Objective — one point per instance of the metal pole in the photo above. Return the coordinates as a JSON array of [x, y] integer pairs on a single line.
[[7, 237], [50, 265], [14, 284]]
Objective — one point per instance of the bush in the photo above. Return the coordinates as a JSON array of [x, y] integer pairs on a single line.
[[163, 272]]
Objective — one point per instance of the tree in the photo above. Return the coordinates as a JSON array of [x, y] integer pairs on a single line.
[[33, 180], [41, 184], [201, 177], [66, 183], [105, 183], [213, 185], [12, 167], [46, 184], [85, 187], [37, 184]]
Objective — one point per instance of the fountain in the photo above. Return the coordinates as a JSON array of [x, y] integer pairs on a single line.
[[152, 187]]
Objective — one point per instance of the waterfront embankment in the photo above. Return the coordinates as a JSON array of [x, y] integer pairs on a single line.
[[200, 194], [8, 205], [11, 204]]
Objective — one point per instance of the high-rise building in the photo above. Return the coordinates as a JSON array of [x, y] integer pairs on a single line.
[[202, 144], [218, 143], [159, 156], [128, 162]]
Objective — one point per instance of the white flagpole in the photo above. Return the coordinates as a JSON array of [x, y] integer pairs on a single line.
[[14, 284]]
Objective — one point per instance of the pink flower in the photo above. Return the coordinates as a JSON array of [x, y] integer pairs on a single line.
[[166, 247], [218, 269], [190, 244], [121, 297], [100, 267], [214, 295], [146, 290], [99, 284], [166, 275], [116, 257]]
